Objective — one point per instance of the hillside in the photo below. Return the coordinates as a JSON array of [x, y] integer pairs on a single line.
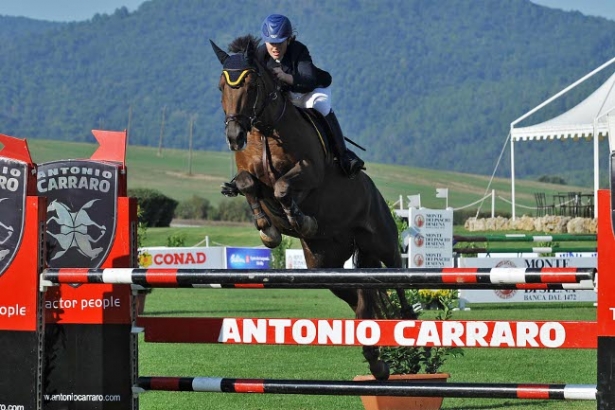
[[425, 84], [169, 174]]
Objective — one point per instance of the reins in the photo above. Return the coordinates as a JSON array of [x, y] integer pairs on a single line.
[[266, 130], [255, 121]]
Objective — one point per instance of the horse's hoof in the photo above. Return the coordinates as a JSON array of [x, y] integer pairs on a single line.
[[380, 370], [309, 227], [270, 237]]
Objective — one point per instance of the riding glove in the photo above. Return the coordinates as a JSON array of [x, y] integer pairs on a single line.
[[282, 76]]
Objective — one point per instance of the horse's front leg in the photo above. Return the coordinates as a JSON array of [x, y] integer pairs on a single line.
[[305, 225], [249, 186]]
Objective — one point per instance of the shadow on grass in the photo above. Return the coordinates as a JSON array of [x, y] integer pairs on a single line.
[[503, 405]]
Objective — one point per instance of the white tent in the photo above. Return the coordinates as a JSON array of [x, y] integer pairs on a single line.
[[593, 116]]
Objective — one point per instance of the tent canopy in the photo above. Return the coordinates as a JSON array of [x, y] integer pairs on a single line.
[[578, 122], [592, 116]]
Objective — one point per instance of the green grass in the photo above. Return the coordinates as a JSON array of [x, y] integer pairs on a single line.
[[218, 234], [244, 234], [169, 174], [343, 363]]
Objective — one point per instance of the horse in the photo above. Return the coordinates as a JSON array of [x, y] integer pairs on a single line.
[[295, 188]]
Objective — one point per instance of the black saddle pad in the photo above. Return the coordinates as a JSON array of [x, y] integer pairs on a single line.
[[320, 125]]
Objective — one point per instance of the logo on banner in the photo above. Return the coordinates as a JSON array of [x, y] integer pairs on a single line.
[[81, 211], [248, 258], [419, 220], [419, 240], [13, 176], [419, 260], [145, 259], [505, 293]]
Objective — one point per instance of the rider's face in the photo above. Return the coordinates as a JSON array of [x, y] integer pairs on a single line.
[[277, 50]]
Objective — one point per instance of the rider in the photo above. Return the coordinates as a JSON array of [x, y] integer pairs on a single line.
[[309, 86]]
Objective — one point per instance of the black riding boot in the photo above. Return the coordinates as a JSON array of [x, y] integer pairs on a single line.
[[349, 161]]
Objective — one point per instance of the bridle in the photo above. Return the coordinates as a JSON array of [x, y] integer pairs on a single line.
[[247, 122]]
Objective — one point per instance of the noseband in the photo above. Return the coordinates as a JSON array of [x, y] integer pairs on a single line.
[[247, 122]]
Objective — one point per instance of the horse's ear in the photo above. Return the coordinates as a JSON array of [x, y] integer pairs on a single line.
[[248, 53], [222, 55]]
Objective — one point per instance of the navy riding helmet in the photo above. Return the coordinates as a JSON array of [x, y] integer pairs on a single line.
[[276, 28]]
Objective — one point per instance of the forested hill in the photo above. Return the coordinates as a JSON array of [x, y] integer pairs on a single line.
[[432, 84]]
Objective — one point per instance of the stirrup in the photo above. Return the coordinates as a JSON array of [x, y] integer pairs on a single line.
[[351, 164]]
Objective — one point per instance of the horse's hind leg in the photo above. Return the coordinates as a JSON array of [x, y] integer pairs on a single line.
[[389, 253], [248, 185], [373, 304]]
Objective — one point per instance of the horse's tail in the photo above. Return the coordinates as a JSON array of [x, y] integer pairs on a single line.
[[393, 304]]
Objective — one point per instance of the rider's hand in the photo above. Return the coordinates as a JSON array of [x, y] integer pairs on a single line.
[[282, 76]]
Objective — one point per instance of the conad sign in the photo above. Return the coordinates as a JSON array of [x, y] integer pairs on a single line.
[[205, 258]]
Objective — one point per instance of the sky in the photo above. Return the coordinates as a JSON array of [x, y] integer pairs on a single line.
[[601, 8], [78, 10], [64, 10]]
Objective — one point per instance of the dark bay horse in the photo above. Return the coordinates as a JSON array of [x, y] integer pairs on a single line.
[[294, 187]]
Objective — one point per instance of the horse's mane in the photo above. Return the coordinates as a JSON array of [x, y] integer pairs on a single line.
[[241, 43]]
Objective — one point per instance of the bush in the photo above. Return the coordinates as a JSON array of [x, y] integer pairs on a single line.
[[234, 210], [157, 209], [176, 240], [278, 255], [413, 360], [194, 208]]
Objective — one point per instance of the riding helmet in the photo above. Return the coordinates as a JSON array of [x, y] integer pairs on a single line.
[[276, 28]]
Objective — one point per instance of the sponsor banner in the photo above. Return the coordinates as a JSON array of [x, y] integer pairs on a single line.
[[527, 295], [81, 211], [19, 285], [430, 244], [182, 257], [13, 179], [415, 333], [248, 258], [296, 260]]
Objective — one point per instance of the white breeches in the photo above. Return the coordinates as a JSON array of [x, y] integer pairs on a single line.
[[319, 99]]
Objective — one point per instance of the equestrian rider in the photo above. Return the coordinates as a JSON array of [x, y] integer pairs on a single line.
[[308, 86]]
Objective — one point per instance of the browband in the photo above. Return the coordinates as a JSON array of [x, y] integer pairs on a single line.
[[234, 77]]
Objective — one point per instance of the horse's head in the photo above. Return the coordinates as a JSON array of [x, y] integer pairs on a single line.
[[241, 84], [52, 205]]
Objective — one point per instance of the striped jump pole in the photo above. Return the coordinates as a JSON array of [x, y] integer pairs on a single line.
[[526, 238], [370, 388], [536, 249], [435, 278]]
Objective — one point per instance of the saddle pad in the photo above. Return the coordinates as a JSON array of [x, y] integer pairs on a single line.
[[319, 123]]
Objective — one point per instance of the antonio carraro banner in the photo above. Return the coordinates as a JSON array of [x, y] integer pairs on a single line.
[[416, 333]]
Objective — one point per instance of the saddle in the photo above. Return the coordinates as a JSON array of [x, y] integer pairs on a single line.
[[319, 123]]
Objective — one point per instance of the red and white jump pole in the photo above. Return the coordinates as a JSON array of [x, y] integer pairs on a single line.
[[371, 388], [455, 278]]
